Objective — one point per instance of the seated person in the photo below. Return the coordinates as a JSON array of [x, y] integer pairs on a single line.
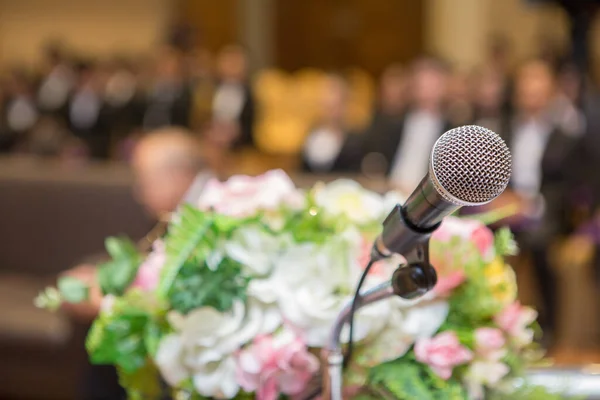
[[329, 146]]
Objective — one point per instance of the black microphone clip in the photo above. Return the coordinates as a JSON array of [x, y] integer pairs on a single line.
[[400, 236]]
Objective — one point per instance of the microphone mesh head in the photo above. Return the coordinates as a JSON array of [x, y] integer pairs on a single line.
[[470, 165]]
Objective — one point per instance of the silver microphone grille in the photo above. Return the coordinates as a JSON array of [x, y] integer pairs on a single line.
[[470, 165]]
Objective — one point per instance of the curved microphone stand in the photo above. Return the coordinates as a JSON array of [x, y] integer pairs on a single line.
[[408, 281], [332, 353]]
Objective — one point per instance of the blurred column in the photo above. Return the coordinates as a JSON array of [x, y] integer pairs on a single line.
[[457, 30], [256, 31]]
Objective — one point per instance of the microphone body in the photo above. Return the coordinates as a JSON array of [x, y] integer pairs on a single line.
[[469, 166]]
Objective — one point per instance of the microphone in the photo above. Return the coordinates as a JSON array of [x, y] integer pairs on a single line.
[[469, 166]]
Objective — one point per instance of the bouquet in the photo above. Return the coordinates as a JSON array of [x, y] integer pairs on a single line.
[[238, 297]]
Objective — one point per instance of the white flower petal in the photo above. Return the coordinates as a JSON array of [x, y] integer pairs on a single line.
[[168, 359]]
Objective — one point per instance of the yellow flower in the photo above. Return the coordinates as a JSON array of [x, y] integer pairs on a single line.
[[502, 281]]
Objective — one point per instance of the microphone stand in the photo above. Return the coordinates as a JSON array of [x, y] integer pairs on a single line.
[[409, 281]]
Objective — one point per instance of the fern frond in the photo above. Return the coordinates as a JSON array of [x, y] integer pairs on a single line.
[[183, 238]]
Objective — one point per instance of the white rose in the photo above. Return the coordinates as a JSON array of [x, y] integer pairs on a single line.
[[205, 341], [312, 283], [255, 249], [405, 324], [349, 198]]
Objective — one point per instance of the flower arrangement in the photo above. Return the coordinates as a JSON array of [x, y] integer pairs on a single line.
[[238, 297]]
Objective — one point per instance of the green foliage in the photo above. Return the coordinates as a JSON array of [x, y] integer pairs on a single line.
[[126, 336], [197, 285], [505, 243], [183, 238], [311, 225], [143, 384], [472, 303], [115, 276], [406, 379], [73, 290], [195, 273]]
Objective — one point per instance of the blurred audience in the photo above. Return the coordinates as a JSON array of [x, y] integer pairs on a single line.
[[542, 151], [404, 144]]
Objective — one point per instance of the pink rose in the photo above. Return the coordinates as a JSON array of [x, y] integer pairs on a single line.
[[515, 320], [489, 343], [276, 364], [483, 238], [245, 195], [148, 273], [480, 235], [442, 353], [449, 282]]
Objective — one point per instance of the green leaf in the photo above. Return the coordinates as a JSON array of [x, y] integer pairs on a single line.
[[153, 333], [143, 384], [505, 243], [199, 286], [73, 290], [402, 379], [119, 340], [115, 276], [407, 379], [120, 248], [183, 238]]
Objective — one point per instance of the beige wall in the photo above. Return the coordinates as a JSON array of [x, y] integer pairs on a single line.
[[459, 29], [95, 27]]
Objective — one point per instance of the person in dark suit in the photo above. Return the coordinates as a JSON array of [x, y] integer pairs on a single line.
[[233, 105], [169, 97], [86, 111], [169, 170], [330, 146], [403, 141], [542, 174]]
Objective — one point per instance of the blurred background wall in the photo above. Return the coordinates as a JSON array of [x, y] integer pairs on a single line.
[[323, 33], [92, 27]]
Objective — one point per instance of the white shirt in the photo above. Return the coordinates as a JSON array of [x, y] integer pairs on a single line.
[[421, 130], [228, 102], [85, 109], [322, 148], [529, 143]]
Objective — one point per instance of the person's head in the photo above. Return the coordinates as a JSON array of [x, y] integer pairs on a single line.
[[393, 89], [428, 82], [534, 87], [488, 89], [334, 99], [498, 51], [165, 163], [169, 65], [232, 64]]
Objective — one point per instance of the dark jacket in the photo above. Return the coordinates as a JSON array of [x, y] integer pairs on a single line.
[[385, 134]]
